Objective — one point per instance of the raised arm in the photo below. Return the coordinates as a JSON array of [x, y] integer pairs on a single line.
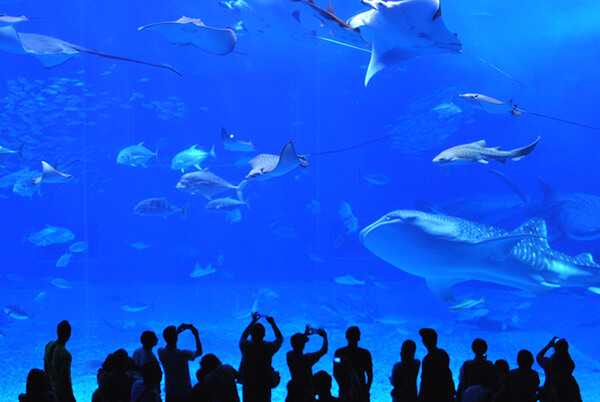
[[197, 337], [246, 333], [278, 335], [323, 351], [540, 356]]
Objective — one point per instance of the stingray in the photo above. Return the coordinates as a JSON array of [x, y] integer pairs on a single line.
[[339, 31], [7, 20], [52, 51], [495, 106], [447, 250], [192, 31], [402, 30], [266, 166], [51, 175]]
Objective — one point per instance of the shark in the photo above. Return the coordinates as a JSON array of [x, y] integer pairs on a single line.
[[478, 152], [574, 216], [401, 30], [447, 250]]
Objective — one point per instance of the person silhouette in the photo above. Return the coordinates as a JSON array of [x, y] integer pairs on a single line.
[[404, 374], [437, 384], [144, 354], [148, 388], [478, 371], [523, 382], [37, 388], [115, 378], [301, 363], [178, 385], [353, 369], [256, 373], [322, 385], [219, 379], [560, 385], [57, 364]]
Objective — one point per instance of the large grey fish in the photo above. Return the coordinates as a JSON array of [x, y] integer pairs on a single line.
[[206, 183], [478, 152], [51, 235], [266, 166], [135, 155], [226, 204], [157, 207], [572, 215], [447, 250]]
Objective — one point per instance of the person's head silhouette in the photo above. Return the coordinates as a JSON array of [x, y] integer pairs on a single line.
[[429, 337], [353, 336], [64, 331], [479, 347], [408, 350], [149, 339], [561, 346], [298, 341], [525, 359], [170, 335], [257, 332]]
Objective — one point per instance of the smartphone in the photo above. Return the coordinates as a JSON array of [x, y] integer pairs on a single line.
[[337, 360]]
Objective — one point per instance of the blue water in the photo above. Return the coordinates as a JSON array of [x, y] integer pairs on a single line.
[[282, 254]]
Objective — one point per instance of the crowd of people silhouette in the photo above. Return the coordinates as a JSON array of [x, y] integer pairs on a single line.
[[138, 378]]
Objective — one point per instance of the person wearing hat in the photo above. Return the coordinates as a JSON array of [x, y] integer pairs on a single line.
[[437, 384], [353, 369], [301, 363]]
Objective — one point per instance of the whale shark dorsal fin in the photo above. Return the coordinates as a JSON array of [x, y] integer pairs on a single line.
[[480, 143], [536, 227], [438, 12], [546, 188], [586, 258], [330, 8]]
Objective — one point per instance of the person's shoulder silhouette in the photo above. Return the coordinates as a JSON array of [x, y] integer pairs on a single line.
[[437, 384], [404, 374]]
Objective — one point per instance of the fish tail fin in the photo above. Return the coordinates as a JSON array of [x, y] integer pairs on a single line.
[[21, 152], [156, 153], [520, 153], [224, 134], [184, 209], [512, 185], [247, 202], [36, 180], [212, 152], [240, 187]]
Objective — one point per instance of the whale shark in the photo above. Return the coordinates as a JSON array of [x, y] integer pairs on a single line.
[[447, 250], [575, 216]]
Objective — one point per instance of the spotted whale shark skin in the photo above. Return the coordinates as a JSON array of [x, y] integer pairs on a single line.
[[447, 250]]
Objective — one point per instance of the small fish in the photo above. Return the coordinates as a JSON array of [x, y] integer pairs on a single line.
[[350, 221], [5, 153], [16, 313], [199, 271], [226, 204], [314, 207], [135, 155], [64, 260], [206, 183], [316, 257], [7, 20], [467, 304], [61, 283], [40, 297], [478, 152], [348, 280], [51, 175], [491, 105], [78, 247], [157, 207], [134, 308], [139, 245], [231, 144], [378, 179], [191, 157]]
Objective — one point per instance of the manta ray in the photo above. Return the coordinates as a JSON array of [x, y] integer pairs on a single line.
[[51, 175], [446, 250], [403, 29], [266, 166], [192, 31], [52, 51]]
